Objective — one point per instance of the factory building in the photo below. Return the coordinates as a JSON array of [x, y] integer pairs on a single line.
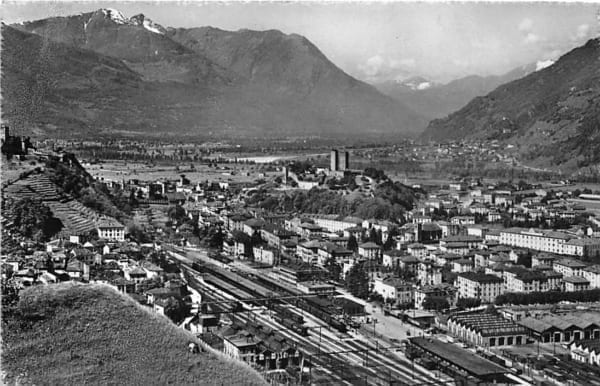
[[486, 330]]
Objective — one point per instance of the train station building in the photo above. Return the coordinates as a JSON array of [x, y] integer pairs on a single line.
[[461, 364]]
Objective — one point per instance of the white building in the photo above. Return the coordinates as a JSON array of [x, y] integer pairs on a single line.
[[550, 241], [569, 267], [592, 274], [334, 225], [586, 351], [575, 283], [370, 250], [110, 229], [394, 288]]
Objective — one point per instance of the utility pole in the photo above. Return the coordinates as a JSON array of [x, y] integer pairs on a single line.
[[310, 370]]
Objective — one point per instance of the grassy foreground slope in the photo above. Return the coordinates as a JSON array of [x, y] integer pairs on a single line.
[[90, 334]]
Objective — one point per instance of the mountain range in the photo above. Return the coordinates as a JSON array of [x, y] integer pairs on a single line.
[[551, 115], [103, 73], [435, 100]]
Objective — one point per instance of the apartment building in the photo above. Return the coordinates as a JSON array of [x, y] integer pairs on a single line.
[[479, 285], [394, 288], [429, 273], [518, 279], [550, 241], [444, 290], [336, 225], [592, 274], [543, 259], [575, 283], [328, 250], [569, 267]]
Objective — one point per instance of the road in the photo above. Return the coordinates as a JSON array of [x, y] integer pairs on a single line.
[[348, 358]]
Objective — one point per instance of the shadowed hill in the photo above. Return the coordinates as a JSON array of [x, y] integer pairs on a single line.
[[200, 82], [90, 334], [553, 113]]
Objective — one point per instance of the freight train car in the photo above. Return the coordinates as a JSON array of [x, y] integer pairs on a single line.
[[298, 328], [288, 313], [315, 309]]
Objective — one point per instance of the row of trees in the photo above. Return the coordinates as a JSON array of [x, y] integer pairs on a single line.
[[549, 297]]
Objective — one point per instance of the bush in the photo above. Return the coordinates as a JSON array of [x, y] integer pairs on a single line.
[[34, 220]]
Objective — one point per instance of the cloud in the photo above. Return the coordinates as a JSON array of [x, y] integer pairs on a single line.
[[461, 63], [378, 67], [408, 62], [423, 86], [373, 66], [583, 31], [531, 38], [526, 25], [526, 29], [553, 55], [541, 64]]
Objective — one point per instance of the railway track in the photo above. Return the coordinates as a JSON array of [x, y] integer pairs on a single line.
[[354, 362]]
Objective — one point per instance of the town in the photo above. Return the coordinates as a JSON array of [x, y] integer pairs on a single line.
[[322, 270]]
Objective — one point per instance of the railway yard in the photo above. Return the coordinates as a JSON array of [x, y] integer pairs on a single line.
[[332, 352]]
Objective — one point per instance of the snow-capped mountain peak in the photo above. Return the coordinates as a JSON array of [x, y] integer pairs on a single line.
[[115, 15], [137, 20], [148, 24], [541, 64]]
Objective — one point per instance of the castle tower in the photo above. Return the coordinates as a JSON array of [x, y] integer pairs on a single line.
[[334, 160], [344, 160]]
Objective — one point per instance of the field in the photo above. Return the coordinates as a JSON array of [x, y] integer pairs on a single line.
[[90, 334], [117, 171]]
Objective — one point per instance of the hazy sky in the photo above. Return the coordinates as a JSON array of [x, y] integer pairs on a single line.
[[378, 41]]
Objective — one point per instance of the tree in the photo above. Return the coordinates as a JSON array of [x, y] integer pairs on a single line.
[[376, 174], [176, 309], [334, 269], [176, 212], [34, 220], [389, 243], [525, 259], [357, 281], [138, 233], [352, 243], [468, 302], [215, 237], [437, 303], [255, 239], [375, 236]]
